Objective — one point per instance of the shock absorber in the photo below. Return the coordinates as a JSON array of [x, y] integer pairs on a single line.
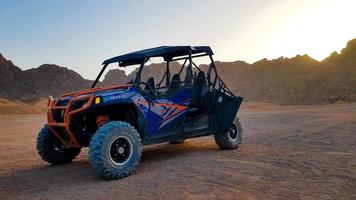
[[101, 120]]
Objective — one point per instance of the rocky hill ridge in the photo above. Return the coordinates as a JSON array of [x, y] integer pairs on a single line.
[[296, 80]]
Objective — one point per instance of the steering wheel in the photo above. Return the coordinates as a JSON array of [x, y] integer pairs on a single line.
[[147, 86]]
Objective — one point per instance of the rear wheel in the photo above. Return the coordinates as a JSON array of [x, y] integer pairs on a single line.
[[52, 150], [115, 150], [230, 139]]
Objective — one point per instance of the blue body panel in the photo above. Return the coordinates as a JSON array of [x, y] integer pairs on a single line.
[[161, 114]]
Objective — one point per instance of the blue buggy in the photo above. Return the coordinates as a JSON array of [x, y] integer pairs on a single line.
[[115, 122]]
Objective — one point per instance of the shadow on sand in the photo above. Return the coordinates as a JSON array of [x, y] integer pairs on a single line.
[[79, 172]]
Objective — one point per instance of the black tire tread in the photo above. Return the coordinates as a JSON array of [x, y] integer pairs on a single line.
[[224, 142], [47, 151]]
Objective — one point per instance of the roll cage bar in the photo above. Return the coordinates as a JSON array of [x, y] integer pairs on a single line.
[[169, 54]]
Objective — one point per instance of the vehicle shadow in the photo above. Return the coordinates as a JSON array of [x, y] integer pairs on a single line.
[[63, 177], [167, 151]]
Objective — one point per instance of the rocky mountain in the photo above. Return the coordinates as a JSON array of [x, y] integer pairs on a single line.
[[35, 83], [297, 80], [12, 83], [52, 79], [301, 80], [115, 77]]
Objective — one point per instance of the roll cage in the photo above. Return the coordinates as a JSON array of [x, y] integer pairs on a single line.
[[169, 54]]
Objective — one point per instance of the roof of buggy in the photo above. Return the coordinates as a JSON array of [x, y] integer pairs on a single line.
[[167, 52]]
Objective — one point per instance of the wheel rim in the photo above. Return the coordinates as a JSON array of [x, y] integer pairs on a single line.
[[233, 132], [120, 150]]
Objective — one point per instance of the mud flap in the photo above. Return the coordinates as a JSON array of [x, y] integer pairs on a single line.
[[223, 109]]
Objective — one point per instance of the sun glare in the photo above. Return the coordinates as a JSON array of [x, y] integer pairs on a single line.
[[316, 29]]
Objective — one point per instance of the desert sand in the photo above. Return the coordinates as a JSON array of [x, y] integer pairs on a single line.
[[289, 152]]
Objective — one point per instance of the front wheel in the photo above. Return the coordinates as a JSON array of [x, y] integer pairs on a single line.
[[115, 150], [230, 139], [52, 150]]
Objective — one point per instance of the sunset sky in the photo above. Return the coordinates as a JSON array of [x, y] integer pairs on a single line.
[[81, 34]]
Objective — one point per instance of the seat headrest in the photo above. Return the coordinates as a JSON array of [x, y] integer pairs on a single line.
[[175, 82], [201, 74], [176, 77], [151, 81], [200, 78]]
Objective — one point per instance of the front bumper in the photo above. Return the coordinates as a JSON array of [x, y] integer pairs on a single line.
[[60, 126]]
